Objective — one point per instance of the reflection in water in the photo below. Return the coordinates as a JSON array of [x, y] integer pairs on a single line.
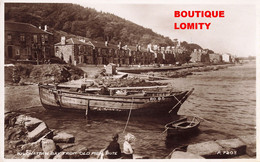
[[224, 99]]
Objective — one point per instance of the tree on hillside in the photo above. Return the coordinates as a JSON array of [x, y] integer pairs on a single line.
[[77, 20]]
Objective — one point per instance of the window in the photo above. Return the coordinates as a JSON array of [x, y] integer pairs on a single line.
[[18, 52], [22, 37], [46, 38], [35, 40], [9, 37], [57, 49], [43, 39]]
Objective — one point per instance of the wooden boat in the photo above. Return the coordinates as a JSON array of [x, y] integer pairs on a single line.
[[183, 125], [137, 100]]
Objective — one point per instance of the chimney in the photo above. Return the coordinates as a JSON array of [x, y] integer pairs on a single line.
[[45, 27], [40, 27], [139, 47], [106, 43], [119, 45], [162, 48], [82, 40], [63, 40], [149, 46]]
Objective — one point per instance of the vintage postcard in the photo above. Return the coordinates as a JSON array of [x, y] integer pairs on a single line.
[[129, 80]]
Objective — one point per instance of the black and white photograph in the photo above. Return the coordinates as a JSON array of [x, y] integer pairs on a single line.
[[129, 80]]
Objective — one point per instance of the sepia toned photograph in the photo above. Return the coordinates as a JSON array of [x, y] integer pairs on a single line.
[[130, 80]]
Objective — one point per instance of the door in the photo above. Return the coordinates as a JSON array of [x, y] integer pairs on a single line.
[[10, 52]]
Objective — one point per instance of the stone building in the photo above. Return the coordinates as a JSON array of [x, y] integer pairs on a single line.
[[215, 58], [200, 56], [226, 57], [102, 53], [26, 42], [74, 51]]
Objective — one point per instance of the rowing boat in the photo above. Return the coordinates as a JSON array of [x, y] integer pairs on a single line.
[[184, 125]]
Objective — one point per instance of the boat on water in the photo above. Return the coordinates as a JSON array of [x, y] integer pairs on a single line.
[[135, 100], [184, 125]]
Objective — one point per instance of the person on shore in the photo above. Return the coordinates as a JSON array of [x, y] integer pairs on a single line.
[[113, 150], [127, 148]]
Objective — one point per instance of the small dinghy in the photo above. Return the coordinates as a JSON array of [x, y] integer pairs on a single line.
[[183, 125]]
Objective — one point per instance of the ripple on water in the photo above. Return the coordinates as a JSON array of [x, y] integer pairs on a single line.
[[223, 99]]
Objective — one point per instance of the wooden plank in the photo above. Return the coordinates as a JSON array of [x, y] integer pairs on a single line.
[[115, 88]]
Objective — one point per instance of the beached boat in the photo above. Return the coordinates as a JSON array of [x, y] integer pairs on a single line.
[[183, 125], [137, 100]]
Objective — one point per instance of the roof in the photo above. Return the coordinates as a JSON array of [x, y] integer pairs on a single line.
[[132, 48], [73, 41], [102, 44], [23, 27]]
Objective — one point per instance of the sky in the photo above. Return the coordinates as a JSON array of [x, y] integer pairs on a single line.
[[234, 34]]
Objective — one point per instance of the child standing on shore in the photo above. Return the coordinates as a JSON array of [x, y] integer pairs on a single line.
[[127, 148]]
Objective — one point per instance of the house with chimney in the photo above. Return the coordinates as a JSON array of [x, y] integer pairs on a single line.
[[215, 58], [74, 51], [200, 56], [26, 42]]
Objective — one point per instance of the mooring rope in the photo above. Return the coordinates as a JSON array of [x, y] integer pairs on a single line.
[[180, 101], [129, 115]]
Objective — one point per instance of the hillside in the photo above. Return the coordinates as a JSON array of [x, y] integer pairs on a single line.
[[85, 22]]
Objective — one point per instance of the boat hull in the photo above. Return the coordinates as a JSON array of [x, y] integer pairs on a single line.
[[92, 104], [177, 129]]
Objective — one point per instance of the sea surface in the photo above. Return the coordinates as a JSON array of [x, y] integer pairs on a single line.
[[225, 100]]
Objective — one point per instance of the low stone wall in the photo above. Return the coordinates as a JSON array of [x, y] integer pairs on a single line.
[[30, 138], [240, 147]]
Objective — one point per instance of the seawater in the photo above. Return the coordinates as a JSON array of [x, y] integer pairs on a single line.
[[225, 100]]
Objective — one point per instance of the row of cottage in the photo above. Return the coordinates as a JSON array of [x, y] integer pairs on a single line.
[[26, 42], [94, 52]]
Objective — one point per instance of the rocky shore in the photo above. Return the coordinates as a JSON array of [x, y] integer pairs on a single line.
[[185, 71], [30, 138], [242, 147]]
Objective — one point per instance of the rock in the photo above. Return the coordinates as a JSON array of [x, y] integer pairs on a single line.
[[251, 151], [34, 146], [30, 150], [15, 133], [184, 155], [49, 148], [38, 132], [63, 137], [248, 140], [32, 123], [205, 149], [62, 146], [16, 143], [10, 119], [232, 147], [20, 120]]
